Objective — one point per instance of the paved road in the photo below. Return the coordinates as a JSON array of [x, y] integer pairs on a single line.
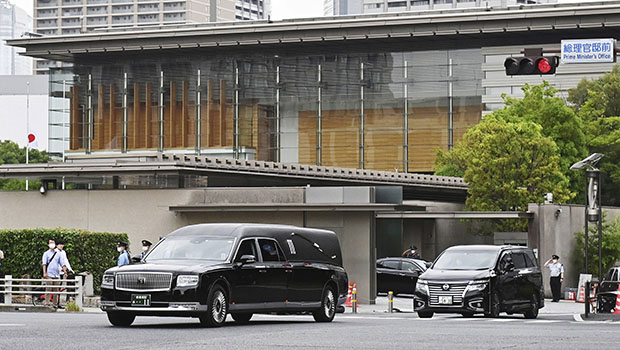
[[92, 331]]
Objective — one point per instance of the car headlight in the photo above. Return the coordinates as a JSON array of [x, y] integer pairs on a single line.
[[187, 281], [476, 286], [422, 287], [107, 281]]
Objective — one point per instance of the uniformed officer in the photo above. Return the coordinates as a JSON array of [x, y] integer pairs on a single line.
[[146, 248], [557, 276], [412, 252], [123, 258]]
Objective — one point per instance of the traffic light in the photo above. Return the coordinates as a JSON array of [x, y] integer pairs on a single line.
[[531, 65]]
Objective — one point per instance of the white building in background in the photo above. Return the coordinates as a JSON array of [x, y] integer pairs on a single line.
[[13, 23], [66, 17], [24, 100], [353, 7]]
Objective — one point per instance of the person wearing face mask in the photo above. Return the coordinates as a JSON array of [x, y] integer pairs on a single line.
[[557, 276], [146, 248], [123, 258], [51, 270], [412, 253]]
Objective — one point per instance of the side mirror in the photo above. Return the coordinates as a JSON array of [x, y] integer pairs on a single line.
[[248, 259]]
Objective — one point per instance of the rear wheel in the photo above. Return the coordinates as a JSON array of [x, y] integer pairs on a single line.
[[493, 306], [532, 312], [425, 314], [217, 308], [121, 319], [242, 318], [467, 314], [327, 311]]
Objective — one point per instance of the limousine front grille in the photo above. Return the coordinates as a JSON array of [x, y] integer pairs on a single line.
[[144, 281], [454, 290]]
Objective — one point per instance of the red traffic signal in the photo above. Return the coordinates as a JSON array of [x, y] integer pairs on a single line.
[[530, 65]]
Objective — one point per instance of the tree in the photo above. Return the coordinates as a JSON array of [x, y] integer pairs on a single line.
[[559, 122], [11, 153], [507, 165], [597, 102], [610, 247]]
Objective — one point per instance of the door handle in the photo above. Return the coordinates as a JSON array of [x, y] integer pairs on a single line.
[[262, 271], [288, 271]]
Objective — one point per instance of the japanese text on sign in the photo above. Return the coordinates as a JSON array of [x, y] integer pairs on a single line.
[[588, 51]]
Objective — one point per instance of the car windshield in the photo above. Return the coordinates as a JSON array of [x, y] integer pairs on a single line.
[[192, 248], [466, 260]]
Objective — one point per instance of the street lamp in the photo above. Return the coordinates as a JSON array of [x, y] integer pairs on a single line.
[[593, 208]]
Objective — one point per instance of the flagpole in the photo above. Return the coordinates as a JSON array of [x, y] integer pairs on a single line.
[[27, 124]]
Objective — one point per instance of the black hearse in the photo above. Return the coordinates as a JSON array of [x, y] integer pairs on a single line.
[[211, 270], [481, 279]]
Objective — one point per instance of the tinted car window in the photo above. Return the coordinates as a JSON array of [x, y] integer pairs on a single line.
[[465, 260], [391, 264], [192, 248], [246, 247], [519, 260], [269, 250], [530, 259], [408, 266]]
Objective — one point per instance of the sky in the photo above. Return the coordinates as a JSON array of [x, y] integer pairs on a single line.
[[280, 9]]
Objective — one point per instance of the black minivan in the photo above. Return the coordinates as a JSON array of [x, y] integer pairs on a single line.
[[211, 270], [481, 279]]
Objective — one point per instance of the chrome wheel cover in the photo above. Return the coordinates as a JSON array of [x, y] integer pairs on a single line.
[[329, 306], [218, 307]]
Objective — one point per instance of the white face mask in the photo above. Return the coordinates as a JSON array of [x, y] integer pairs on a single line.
[[119, 249], [555, 261], [145, 249], [52, 245]]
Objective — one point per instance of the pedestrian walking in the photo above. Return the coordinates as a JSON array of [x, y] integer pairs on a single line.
[[123, 258], [146, 248], [1, 276], [51, 271], [557, 276], [411, 252], [66, 268]]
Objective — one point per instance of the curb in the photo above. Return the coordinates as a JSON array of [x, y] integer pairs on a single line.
[[26, 308]]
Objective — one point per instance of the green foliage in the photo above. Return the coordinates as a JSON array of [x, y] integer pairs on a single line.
[[10, 153], [92, 252], [72, 306], [597, 103], [610, 246]]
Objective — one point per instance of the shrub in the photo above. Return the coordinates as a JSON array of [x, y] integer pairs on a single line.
[[72, 307], [87, 251]]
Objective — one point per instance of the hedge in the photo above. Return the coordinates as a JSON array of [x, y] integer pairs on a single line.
[[92, 252]]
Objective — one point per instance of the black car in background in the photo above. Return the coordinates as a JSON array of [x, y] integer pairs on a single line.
[[211, 270], [608, 291], [481, 279], [399, 275]]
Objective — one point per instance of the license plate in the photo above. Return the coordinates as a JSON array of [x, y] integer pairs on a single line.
[[445, 300], [140, 300]]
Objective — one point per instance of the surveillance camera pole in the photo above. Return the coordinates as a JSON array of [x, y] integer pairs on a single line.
[[594, 210]]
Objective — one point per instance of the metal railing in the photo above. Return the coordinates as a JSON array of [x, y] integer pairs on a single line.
[[29, 287]]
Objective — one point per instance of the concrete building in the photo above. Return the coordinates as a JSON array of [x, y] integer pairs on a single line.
[[342, 7], [352, 7], [14, 22], [24, 97], [66, 17]]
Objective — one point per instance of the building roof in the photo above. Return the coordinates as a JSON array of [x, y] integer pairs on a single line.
[[311, 31]]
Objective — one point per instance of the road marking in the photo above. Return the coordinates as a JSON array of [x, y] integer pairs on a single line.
[[504, 320], [11, 325], [577, 317], [469, 319], [543, 321]]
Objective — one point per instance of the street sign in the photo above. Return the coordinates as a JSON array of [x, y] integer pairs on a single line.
[[588, 51]]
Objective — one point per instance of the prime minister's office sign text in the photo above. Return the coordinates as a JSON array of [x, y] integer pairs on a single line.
[[588, 51]]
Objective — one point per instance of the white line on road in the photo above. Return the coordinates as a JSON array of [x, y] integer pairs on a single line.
[[578, 318], [543, 321], [504, 320], [12, 325]]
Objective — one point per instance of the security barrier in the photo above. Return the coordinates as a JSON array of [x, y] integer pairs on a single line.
[[23, 290]]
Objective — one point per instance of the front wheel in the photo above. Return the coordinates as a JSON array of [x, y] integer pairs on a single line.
[[121, 319], [532, 312], [217, 308], [425, 314], [327, 311]]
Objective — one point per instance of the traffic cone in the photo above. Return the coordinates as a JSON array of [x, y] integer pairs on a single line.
[[348, 303], [581, 295], [617, 308]]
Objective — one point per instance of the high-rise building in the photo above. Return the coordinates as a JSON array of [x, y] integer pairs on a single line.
[[251, 9], [14, 22], [66, 17], [342, 7], [352, 7]]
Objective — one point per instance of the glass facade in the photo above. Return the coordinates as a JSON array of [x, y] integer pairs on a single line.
[[373, 110]]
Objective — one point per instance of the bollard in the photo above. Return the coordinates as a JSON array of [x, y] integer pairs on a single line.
[[8, 287], [587, 302], [354, 301], [390, 301]]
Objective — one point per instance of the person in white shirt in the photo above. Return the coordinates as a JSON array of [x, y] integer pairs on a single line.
[[557, 276]]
